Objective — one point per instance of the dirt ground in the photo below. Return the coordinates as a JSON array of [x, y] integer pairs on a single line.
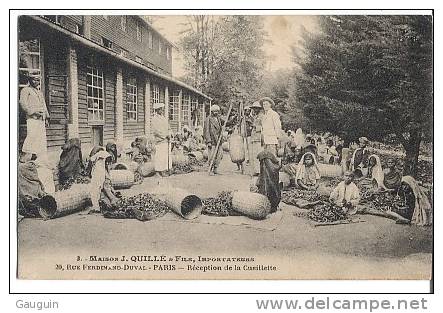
[[376, 248]]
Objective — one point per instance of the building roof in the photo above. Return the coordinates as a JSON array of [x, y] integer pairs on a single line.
[[155, 30], [91, 44]]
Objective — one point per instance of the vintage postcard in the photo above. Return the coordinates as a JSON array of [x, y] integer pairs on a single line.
[[224, 146]]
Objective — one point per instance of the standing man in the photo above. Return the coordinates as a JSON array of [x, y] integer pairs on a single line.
[[33, 104], [212, 131], [256, 137], [160, 130], [249, 121], [360, 158], [271, 126]]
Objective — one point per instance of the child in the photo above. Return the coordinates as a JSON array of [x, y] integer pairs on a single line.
[[101, 188], [346, 195], [308, 173]]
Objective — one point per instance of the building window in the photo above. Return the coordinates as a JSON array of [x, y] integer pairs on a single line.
[[95, 94], [131, 99], [159, 46], [123, 22], [150, 41], [138, 59], [186, 106], [194, 111], [174, 102], [106, 43], [139, 31], [155, 96], [168, 53], [29, 60]]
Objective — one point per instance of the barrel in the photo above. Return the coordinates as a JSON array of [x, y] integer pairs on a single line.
[[236, 148], [65, 202], [253, 205], [184, 203], [330, 170], [122, 178], [146, 169]]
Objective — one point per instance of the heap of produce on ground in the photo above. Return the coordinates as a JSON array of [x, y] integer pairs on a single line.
[[221, 205], [78, 179], [327, 213], [188, 167], [292, 196], [143, 207]]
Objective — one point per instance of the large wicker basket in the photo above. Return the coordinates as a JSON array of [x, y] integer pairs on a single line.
[[146, 169], [252, 205], [236, 149], [65, 202], [330, 170], [122, 178], [179, 159], [183, 203]]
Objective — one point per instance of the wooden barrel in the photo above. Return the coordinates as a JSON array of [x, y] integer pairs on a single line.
[[330, 170], [225, 146], [250, 204], [184, 203], [236, 148], [65, 202], [122, 178], [146, 169]]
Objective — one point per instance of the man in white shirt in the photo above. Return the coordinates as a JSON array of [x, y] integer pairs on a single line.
[[271, 126], [160, 130]]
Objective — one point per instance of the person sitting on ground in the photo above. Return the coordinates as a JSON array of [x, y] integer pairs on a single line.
[[111, 148], [359, 160], [310, 146], [290, 162], [268, 181], [375, 172], [308, 173], [144, 147], [346, 195], [392, 175]]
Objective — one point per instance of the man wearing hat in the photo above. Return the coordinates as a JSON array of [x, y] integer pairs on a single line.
[[271, 125], [360, 158], [212, 130], [33, 104], [160, 131]]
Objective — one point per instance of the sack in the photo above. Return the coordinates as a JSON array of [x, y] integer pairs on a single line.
[[236, 149]]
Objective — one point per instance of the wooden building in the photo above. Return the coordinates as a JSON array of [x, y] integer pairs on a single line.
[[100, 76]]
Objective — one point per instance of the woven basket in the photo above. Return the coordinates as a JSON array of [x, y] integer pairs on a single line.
[[179, 159], [225, 146], [64, 202], [330, 170], [252, 205], [146, 169], [198, 155], [236, 150], [183, 203], [122, 178]]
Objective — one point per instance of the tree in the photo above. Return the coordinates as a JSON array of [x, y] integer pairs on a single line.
[[370, 76]]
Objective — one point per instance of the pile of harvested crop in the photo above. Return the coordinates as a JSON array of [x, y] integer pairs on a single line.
[[194, 162], [78, 179], [138, 178], [326, 213], [221, 205], [142, 207], [292, 196], [182, 168]]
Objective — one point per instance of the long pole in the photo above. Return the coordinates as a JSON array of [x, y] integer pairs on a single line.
[[214, 155]]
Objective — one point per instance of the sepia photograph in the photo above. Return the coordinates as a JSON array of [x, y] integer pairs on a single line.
[[215, 146]]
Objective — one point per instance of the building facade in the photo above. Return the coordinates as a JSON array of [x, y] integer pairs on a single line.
[[101, 76]]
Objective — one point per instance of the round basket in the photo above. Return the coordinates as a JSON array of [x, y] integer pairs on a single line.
[[198, 155], [236, 151], [122, 178], [184, 203], [330, 170], [252, 205], [146, 169], [225, 146], [179, 159]]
